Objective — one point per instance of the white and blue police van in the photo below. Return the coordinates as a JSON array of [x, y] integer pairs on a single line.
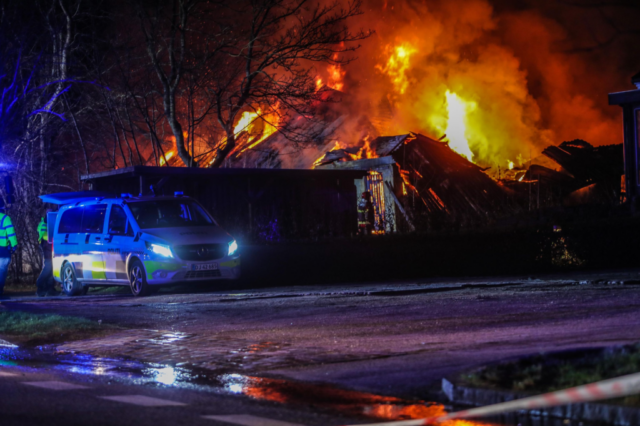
[[141, 242]]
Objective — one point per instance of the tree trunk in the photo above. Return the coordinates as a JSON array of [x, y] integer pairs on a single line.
[[222, 153], [176, 128]]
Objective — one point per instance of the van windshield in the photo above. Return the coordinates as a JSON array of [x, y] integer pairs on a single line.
[[169, 214]]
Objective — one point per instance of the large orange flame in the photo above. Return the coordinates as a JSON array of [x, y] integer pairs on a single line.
[[456, 129], [336, 75], [168, 155], [515, 91], [258, 125], [366, 151], [397, 65], [335, 78]]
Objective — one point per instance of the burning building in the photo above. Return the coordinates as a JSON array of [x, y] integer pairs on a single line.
[[475, 75], [415, 181]]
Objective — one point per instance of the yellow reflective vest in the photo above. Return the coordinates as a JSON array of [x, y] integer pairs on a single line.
[[7, 235], [42, 231]]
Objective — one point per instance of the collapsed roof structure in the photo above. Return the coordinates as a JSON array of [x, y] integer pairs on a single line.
[[423, 179], [572, 173], [595, 171]]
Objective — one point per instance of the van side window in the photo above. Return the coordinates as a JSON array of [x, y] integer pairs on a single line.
[[118, 224], [70, 221], [93, 218]]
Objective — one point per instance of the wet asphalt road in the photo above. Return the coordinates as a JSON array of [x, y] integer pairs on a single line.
[[385, 339], [27, 398]]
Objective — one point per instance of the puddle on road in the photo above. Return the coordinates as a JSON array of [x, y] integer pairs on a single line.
[[320, 396], [346, 402]]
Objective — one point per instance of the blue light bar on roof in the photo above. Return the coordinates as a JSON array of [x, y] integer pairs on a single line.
[[62, 198]]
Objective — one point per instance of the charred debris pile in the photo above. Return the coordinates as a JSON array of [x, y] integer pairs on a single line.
[[574, 173]]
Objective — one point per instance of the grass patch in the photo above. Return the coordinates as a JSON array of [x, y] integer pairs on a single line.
[[547, 373], [36, 329], [113, 289]]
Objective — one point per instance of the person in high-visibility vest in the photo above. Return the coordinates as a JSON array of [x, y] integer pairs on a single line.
[[8, 244], [366, 215], [45, 284]]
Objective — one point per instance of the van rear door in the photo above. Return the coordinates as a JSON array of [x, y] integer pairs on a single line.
[[67, 241], [93, 246], [118, 241]]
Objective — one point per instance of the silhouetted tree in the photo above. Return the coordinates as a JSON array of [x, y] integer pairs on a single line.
[[268, 66]]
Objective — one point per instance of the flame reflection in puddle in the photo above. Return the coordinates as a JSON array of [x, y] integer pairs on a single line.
[[344, 401]]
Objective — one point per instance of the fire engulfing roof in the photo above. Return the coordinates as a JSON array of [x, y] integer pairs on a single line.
[[304, 139]]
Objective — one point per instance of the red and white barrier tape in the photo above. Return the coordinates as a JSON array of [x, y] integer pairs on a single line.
[[611, 388]]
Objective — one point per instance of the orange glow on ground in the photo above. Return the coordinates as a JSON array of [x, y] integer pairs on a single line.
[[344, 401]]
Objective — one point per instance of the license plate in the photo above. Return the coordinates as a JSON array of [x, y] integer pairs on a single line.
[[204, 267]]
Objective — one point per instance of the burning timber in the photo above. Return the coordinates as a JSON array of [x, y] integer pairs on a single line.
[[304, 140], [420, 183]]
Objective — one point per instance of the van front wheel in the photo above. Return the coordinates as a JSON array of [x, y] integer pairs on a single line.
[[70, 284], [138, 279]]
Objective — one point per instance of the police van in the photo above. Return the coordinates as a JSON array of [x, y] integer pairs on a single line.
[[142, 242]]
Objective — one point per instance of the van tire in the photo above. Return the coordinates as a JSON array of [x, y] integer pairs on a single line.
[[70, 284], [138, 279]]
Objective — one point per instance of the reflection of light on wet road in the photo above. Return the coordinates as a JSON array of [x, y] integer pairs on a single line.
[[166, 375], [99, 370], [129, 370], [344, 401], [234, 383], [169, 338]]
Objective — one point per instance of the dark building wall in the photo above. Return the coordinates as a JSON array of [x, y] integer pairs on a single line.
[[282, 205], [630, 102]]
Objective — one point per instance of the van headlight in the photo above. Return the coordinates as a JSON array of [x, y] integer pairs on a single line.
[[160, 249], [233, 247]]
